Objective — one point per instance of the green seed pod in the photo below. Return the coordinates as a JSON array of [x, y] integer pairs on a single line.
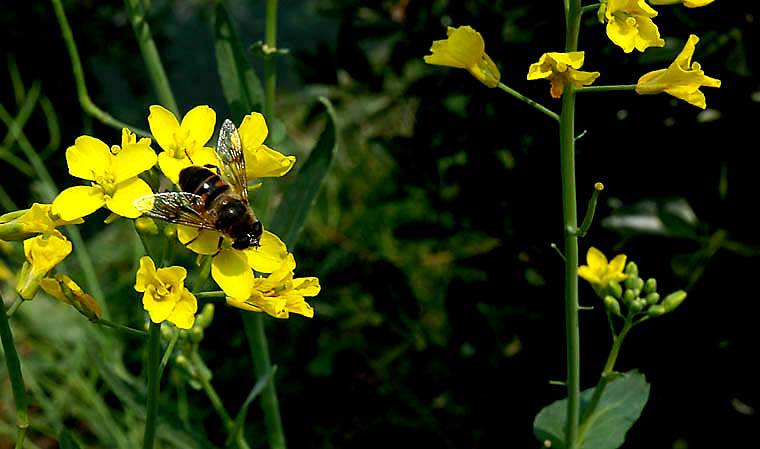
[[656, 311], [631, 269], [653, 298], [206, 316], [612, 305], [628, 297], [673, 300], [615, 289], [650, 286]]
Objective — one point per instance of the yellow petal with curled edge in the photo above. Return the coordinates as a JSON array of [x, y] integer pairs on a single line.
[[78, 201], [88, 158], [267, 163], [132, 160], [201, 241], [269, 256], [197, 127], [253, 131], [308, 286], [45, 252], [123, 200], [148, 276], [183, 314], [231, 272], [462, 49], [163, 125]]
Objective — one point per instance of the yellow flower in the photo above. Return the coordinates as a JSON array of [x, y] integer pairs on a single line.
[[38, 219], [64, 289], [280, 294], [465, 49], [560, 69], [232, 268], [180, 140], [260, 160], [165, 296], [114, 172], [629, 25], [682, 79], [599, 272], [42, 254], [686, 3]]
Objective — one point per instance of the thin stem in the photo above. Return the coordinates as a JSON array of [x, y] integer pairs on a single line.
[[150, 54], [270, 67], [14, 373], [168, 354], [527, 100], [257, 340], [122, 328], [216, 401], [606, 88], [210, 295], [588, 8], [76, 66], [151, 418], [16, 304]]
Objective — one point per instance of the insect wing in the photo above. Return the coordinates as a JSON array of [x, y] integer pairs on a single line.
[[176, 207], [229, 151]]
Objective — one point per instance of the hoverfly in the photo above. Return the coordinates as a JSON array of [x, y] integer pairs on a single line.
[[212, 197]]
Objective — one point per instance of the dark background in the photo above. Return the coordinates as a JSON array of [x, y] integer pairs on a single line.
[[441, 322]]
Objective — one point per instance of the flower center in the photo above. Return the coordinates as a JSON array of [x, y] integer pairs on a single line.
[[106, 183]]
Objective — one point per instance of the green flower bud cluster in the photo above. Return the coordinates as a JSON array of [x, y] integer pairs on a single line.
[[187, 341], [639, 297]]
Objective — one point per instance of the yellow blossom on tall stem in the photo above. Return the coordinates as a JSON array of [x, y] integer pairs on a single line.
[[465, 49], [280, 294], [183, 143], [42, 254], [561, 69], [599, 272], [260, 160], [165, 296], [682, 79], [630, 25], [113, 172]]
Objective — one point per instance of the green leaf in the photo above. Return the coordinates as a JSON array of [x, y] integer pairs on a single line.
[[619, 407], [289, 219], [255, 391], [67, 441], [241, 86]]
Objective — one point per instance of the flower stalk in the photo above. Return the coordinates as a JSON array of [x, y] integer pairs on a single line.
[[17, 380], [528, 101], [151, 417]]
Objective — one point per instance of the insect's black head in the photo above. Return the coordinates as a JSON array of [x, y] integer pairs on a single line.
[[250, 238]]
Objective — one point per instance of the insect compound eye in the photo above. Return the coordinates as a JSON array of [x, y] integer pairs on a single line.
[[258, 229]]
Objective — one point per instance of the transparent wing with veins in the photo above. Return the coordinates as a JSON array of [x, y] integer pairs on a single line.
[[229, 151], [176, 207]]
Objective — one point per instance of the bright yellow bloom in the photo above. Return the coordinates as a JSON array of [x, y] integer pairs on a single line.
[[686, 3], [180, 140], [280, 294], [260, 160], [629, 25], [465, 49], [560, 69], [682, 79], [232, 268], [599, 272], [114, 172], [38, 219], [165, 296], [64, 289], [42, 254]]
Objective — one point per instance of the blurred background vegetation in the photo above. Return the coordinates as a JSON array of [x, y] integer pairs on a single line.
[[440, 321]]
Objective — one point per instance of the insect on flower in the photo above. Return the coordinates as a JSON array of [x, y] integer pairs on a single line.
[[212, 197]]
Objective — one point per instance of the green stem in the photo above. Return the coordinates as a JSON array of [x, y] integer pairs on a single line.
[[527, 100], [76, 65], [210, 295], [270, 67], [151, 418], [606, 88], [607, 376], [216, 401], [17, 380], [570, 221], [14, 307], [588, 8], [168, 354], [122, 328], [257, 340], [151, 58]]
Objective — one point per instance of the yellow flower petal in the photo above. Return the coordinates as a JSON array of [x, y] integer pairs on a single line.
[[183, 314], [617, 264], [465, 49], [147, 275], [132, 160], [231, 272], [267, 163], [45, 252], [171, 166], [595, 259], [123, 200], [163, 125], [158, 307], [308, 286], [88, 158], [588, 274], [84, 303], [203, 241], [630, 25], [269, 256], [253, 131], [77, 202], [197, 127]]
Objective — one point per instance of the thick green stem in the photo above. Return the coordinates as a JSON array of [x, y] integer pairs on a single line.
[[570, 221], [527, 100], [151, 415], [150, 54], [14, 372], [257, 340]]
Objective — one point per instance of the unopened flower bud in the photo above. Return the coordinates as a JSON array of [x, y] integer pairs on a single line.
[[615, 289], [650, 286], [182, 361], [637, 305], [657, 310], [673, 300], [146, 226], [27, 284], [653, 298], [628, 297], [612, 305], [631, 269], [196, 334], [204, 318]]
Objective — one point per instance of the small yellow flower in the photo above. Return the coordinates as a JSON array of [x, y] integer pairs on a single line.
[[38, 219], [561, 69], [686, 3], [165, 296], [280, 294], [114, 172], [599, 272], [465, 49], [260, 160], [629, 25], [64, 289], [42, 254], [180, 140], [682, 79]]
